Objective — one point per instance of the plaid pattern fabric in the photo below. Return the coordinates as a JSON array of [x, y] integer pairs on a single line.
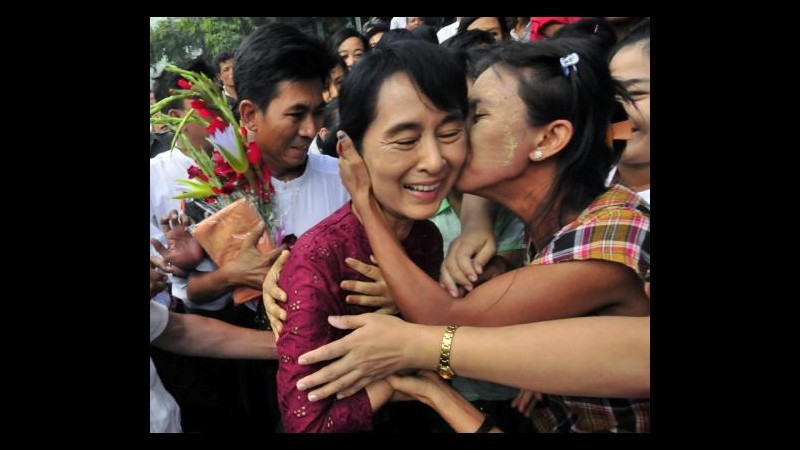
[[615, 227]]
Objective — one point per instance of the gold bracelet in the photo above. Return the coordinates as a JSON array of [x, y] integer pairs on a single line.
[[444, 356]]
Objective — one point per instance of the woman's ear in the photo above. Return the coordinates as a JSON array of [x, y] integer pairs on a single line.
[[248, 111], [555, 136]]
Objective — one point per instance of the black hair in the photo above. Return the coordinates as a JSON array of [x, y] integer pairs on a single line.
[[504, 31], [432, 69], [639, 34], [469, 39], [221, 58], [396, 35], [426, 33], [169, 80], [344, 34], [375, 29], [273, 54], [330, 121], [584, 97], [594, 28]]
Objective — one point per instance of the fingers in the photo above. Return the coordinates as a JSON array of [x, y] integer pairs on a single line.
[[185, 221], [483, 256], [447, 282], [374, 301], [252, 237], [275, 324], [273, 256], [159, 262], [344, 146], [363, 287], [169, 220], [337, 348], [158, 246], [368, 270], [349, 381]]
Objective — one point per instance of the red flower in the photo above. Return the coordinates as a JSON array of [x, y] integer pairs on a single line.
[[184, 84], [198, 103], [253, 155], [243, 132], [194, 171], [216, 124], [221, 167]]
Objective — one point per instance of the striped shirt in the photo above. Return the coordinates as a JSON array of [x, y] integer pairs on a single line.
[[615, 227]]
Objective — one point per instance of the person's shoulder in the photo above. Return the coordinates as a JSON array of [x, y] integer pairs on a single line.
[[323, 164], [341, 223]]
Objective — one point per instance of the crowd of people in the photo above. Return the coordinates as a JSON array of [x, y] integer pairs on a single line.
[[471, 203]]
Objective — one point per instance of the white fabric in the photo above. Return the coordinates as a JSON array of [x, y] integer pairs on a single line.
[[644, 195], [165, 168], [398, 22], [311, 197], [314, 148], [447, 32], [165, 414]]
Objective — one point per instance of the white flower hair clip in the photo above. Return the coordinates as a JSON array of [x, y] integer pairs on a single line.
[[568, 61]]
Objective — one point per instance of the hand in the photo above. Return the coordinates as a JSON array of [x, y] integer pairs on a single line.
[[376, 294], [158, 281], [523, 402], [353, 171], [271, 293], [249, 267], [467, 255], [182, 253], [421, 386], [376, 349], [496, 266]]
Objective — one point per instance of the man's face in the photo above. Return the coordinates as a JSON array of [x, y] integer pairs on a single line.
[[286, 128], [226, 72]]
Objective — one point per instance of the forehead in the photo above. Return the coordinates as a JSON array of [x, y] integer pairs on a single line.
[[630, 61], [494, 86], [399, 100], [484, 23], [351, 43], [291, 93]]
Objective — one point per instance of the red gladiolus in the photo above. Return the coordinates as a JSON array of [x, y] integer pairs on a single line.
[[184, 84], [216, 124], [198, 104], [243, 132], [253, 155]]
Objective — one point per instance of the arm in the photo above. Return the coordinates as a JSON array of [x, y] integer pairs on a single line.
[[313, 294], [529, 294], [472, 250], [428, 388], [586, 356], [249, 268], [194, 335]]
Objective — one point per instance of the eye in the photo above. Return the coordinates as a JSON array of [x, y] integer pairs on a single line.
[[408, 142], [451, 136]]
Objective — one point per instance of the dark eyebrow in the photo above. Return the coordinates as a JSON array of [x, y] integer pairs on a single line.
[[400, 127], [452, 117], [628, 83], [297, 108]]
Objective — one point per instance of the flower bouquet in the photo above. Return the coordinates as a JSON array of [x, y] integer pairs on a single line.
[[231, 184]]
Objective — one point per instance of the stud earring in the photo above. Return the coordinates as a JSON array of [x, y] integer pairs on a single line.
[[537, 155]]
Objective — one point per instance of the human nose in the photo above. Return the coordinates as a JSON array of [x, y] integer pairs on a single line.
[[310, 126], [431, 158]]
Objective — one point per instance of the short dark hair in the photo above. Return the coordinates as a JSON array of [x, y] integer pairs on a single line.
[[169, 80], [639, 34], [434, 71], [584, 97], [504, 30], [344, 34], [275, 53], [594, 28], [221, 58]]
